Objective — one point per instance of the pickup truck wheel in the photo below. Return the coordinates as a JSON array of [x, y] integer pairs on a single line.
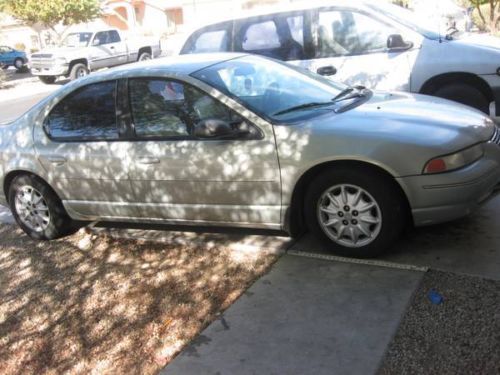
[[47, 79], [144, 56], [465, 94], [18, 63], [78, 71]]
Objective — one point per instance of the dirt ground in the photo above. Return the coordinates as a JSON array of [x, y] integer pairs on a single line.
[[92, 304]]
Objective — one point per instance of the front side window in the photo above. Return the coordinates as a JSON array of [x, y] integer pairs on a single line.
[[343, 32], [268, 87], [163, 108], [88, 114]]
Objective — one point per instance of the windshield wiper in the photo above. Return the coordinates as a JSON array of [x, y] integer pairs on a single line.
[[357, 92], [303, 106]]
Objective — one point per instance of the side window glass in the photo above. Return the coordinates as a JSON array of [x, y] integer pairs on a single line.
[[169, 109], [296, 25], [261, 36], [350, 33], [158, 108], [87, 114], [100, 38], [114, 37], [212, 41]]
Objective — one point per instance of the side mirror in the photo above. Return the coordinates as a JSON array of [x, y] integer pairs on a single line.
[[96, 42], [328, 70], [212, 128], [395, 42]]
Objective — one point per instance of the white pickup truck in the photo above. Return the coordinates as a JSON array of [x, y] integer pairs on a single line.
[[82, 52]]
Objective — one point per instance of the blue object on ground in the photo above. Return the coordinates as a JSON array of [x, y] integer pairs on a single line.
[[435, 297]]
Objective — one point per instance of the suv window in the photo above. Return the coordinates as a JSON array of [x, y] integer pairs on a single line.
[[261, 36], [106, 37], [211, 41], [163, 108], [343, 32], [87, 114]]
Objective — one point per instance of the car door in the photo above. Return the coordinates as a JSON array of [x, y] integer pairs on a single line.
[[79, 145], [180, 178], [102, 51], [355, 44], [117, 48]]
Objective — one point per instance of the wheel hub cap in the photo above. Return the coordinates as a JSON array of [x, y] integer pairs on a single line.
[[349, 215], [32, 209]]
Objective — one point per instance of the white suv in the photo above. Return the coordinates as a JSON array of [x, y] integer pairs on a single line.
[[376, 45]]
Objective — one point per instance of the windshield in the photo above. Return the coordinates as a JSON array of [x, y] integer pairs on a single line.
[[76, 40], [270, 88], [408, 19]]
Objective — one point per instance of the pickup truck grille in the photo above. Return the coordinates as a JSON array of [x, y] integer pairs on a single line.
[[41, 56], [496, 136]]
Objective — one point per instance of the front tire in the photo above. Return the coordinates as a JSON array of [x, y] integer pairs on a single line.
[[465, 94], [357, 213], [38, 210], [78, 71]]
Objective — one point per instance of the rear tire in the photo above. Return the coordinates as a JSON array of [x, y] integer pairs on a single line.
[[18, 64], [78, 71], [352, 225], [48, 80], [144, 56], [465, 94], [38, 210]]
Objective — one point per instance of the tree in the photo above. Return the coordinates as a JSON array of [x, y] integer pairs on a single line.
[[52, 12], [492, 18]]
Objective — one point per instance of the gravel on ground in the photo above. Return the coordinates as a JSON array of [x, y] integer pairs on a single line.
[[460, 335], [93, 304]]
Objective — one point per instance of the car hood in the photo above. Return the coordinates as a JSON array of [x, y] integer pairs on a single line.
[[410, 119], [480, 40], [57, 52]]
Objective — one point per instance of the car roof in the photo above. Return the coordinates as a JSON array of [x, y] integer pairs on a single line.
[[284, 8], [182, 65]]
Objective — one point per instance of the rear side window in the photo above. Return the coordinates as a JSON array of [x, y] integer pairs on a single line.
[[114, 37], [261, 36], [212, 41], [88, 114]]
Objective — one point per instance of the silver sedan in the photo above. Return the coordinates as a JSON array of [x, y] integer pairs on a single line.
[[245, 141]]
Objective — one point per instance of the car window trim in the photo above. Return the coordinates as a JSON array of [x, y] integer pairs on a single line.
[[84, 139], [133, 137]]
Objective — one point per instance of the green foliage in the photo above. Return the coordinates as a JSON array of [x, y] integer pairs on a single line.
[[51, 12]]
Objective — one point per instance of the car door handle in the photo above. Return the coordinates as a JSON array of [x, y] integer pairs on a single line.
[[328, 70], [57, 160], [111, 47], [148, 160]]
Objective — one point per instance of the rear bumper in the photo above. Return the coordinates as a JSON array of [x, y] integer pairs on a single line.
[[439, 198]]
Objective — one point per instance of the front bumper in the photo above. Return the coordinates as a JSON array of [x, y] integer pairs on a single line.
[[443, 197], [49, 70]]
